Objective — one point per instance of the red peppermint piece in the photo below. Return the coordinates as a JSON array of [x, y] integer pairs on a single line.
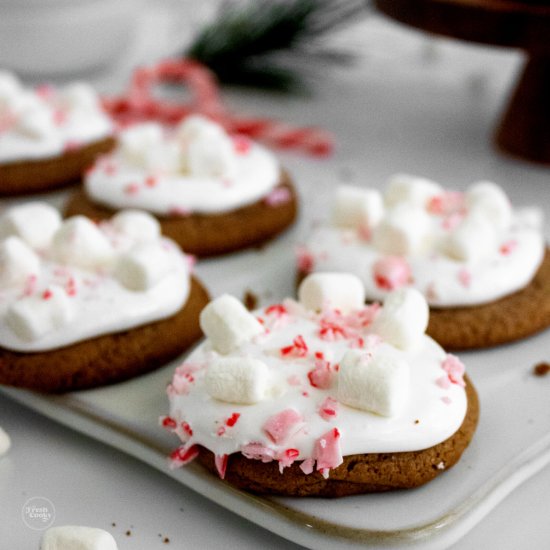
[[47, 294], [258, 451], [183, 455], [232, 420], [241, 144], [186, 428], [329, 408], [168, 422], [305, 260], [465, 277], [221, 464], [454, 369], [391, 272], [151, 181], [321, 376], [131, 189], [508, 247], [281, 425], [297, 349], [276, 309], [327, 450], [287, 458], [307, 466]]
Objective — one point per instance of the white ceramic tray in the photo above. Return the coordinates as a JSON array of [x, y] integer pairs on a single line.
[[512, 442]]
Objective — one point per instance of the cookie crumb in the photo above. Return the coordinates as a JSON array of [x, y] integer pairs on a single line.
[[417, 421], [113, 524], [250, 300], [128, 533], [541, 369], [166, 540]]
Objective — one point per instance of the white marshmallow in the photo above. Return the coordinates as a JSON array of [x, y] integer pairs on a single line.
[[240, 380], [10, 87], [357, 207], [5, 442], [403, 319], [228, 324], [195, 126], [137, 224], [412, 190], [473, 240], [76, 537], [211, 156], [137, 140], [17, 262], [342, 291], [143, 267], [403, 231], [79, 242], [32, 317], [79, 95], [378, 384], [36, 123], [34, 222], [532, 217], [488, 199]]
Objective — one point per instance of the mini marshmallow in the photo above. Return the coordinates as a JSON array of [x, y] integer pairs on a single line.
[[403, 231], [17, 262], [228, 324], [412, 190], [488, 199], [79, 95], [79, 242], [32, 317], [378, 384], [195, 126], [403, 319], [5, 442], [342, 291], [143, 267], [357, 207], [76, 537], [138, 139], [36, 123], [10, 87], [473, 240], [34, 222], [211, 156], [139, 225], [240, 380]]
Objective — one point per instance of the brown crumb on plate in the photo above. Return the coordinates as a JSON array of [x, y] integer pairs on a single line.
[[541, 369]]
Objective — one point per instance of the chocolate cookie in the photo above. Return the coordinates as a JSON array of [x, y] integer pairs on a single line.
[[516, 316], [109, 358], [37, 176], [212, 234], [364, 473]]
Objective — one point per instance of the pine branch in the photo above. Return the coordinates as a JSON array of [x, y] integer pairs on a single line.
[[256, 44]]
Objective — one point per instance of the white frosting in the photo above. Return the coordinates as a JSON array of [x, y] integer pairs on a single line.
[[46, 122], [469, 250], [66, 300], [425, 410], [77, 537], [196, 168]]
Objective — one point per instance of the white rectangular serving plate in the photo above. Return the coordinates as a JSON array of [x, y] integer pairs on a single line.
[[512, 443]]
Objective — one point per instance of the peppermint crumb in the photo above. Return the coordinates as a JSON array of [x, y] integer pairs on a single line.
[[166, 540], [441, 465], [128, 533], [542, 369], [250, 300]]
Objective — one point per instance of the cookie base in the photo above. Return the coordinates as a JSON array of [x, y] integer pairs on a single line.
[[109, 358], [211, 234], [358, 474], [41, 175]]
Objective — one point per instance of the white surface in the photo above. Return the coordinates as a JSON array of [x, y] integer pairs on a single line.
[[405, 107]]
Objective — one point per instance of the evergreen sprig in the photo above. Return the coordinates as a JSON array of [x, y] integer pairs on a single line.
[[273, 43]]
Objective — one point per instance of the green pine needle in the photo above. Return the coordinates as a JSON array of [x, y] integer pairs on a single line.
[[272, 44]]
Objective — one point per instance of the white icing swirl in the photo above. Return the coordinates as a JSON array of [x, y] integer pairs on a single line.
[[434, 410], [89, 300], [175, 175], [46, 122]]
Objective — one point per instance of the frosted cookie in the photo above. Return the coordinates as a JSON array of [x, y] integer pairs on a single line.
[[83, 305], [48, 136], [481, 264], [322, 397], [212, 192]]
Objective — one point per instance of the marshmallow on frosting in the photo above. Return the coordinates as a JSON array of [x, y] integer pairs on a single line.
[[341, 291], [34, 222], [228, 324], [17, 262], [77, 537], [357, 207], [377, 383]]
